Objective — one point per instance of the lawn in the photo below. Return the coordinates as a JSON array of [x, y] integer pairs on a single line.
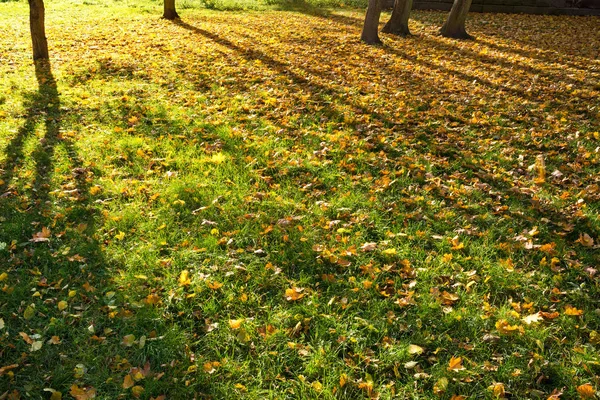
[[255, 205]]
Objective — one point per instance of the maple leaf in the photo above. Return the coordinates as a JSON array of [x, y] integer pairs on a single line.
[[42, 236], [570, 310], [455, 364], [214, 285], [586, 240], [532, 318]]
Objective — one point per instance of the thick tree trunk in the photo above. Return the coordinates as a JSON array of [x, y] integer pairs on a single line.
[[38, 30], [455, 24], [398, 23], [170, 12], [369, 33]]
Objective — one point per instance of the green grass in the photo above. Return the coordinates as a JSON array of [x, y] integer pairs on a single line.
[[178, 181]]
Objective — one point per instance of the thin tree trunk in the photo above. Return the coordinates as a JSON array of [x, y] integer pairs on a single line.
[[38, 30], [369, 33], [170, 12], [455, 24], [398, 23]]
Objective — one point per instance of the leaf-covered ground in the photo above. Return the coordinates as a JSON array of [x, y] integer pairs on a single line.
[[256, 205]]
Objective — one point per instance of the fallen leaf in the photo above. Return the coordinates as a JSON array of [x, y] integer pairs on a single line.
[[236, 323], [586, 391], [570, 310], [532, 318], [414, 349], [455, 364], [294, 294], [128, 340], [184, 278], [128, 382]]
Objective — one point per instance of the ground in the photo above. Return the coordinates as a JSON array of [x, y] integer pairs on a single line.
[[254, 204]]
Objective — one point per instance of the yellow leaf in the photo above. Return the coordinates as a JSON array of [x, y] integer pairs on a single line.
[[62, 305], [505, 328], [184, 278], [570, 310], [317, 386], [120, 235], [439, 388], [54, 340], [455, 364], [414, 349], [586, 391], [236, 323], [56, 395], [214, 285], [243, 336], [3, 276], [343, 380], [127, 382], [389, 252], [498, 390], [458, 397], [294, 294], [29, 312], [94, 190], [137, 391], [240, 387]]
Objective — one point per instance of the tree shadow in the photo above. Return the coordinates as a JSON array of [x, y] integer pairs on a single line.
[[51, 246]]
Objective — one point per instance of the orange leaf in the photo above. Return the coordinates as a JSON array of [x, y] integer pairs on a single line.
[[294, 294], [455, 364], [127, 382], [586, 391], [569, 310]]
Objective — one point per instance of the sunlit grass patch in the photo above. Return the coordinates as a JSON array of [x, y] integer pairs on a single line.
[[232, 206]]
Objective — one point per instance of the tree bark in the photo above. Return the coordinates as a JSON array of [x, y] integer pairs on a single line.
[[369, 33], [38, 29], [398, 23], [170, 12], [455, 24]]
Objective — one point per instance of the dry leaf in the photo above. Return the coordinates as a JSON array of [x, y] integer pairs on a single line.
[[455, 364], [294, 294], [586, 391]]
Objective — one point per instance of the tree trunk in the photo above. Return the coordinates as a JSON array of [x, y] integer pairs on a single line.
[[369, 33], [398, 23], [455, 24], [170, 12], [38, 30]]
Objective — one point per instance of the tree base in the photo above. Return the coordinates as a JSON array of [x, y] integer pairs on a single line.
[[460, 34], [371, 41], [397, 30], [171, 16]]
